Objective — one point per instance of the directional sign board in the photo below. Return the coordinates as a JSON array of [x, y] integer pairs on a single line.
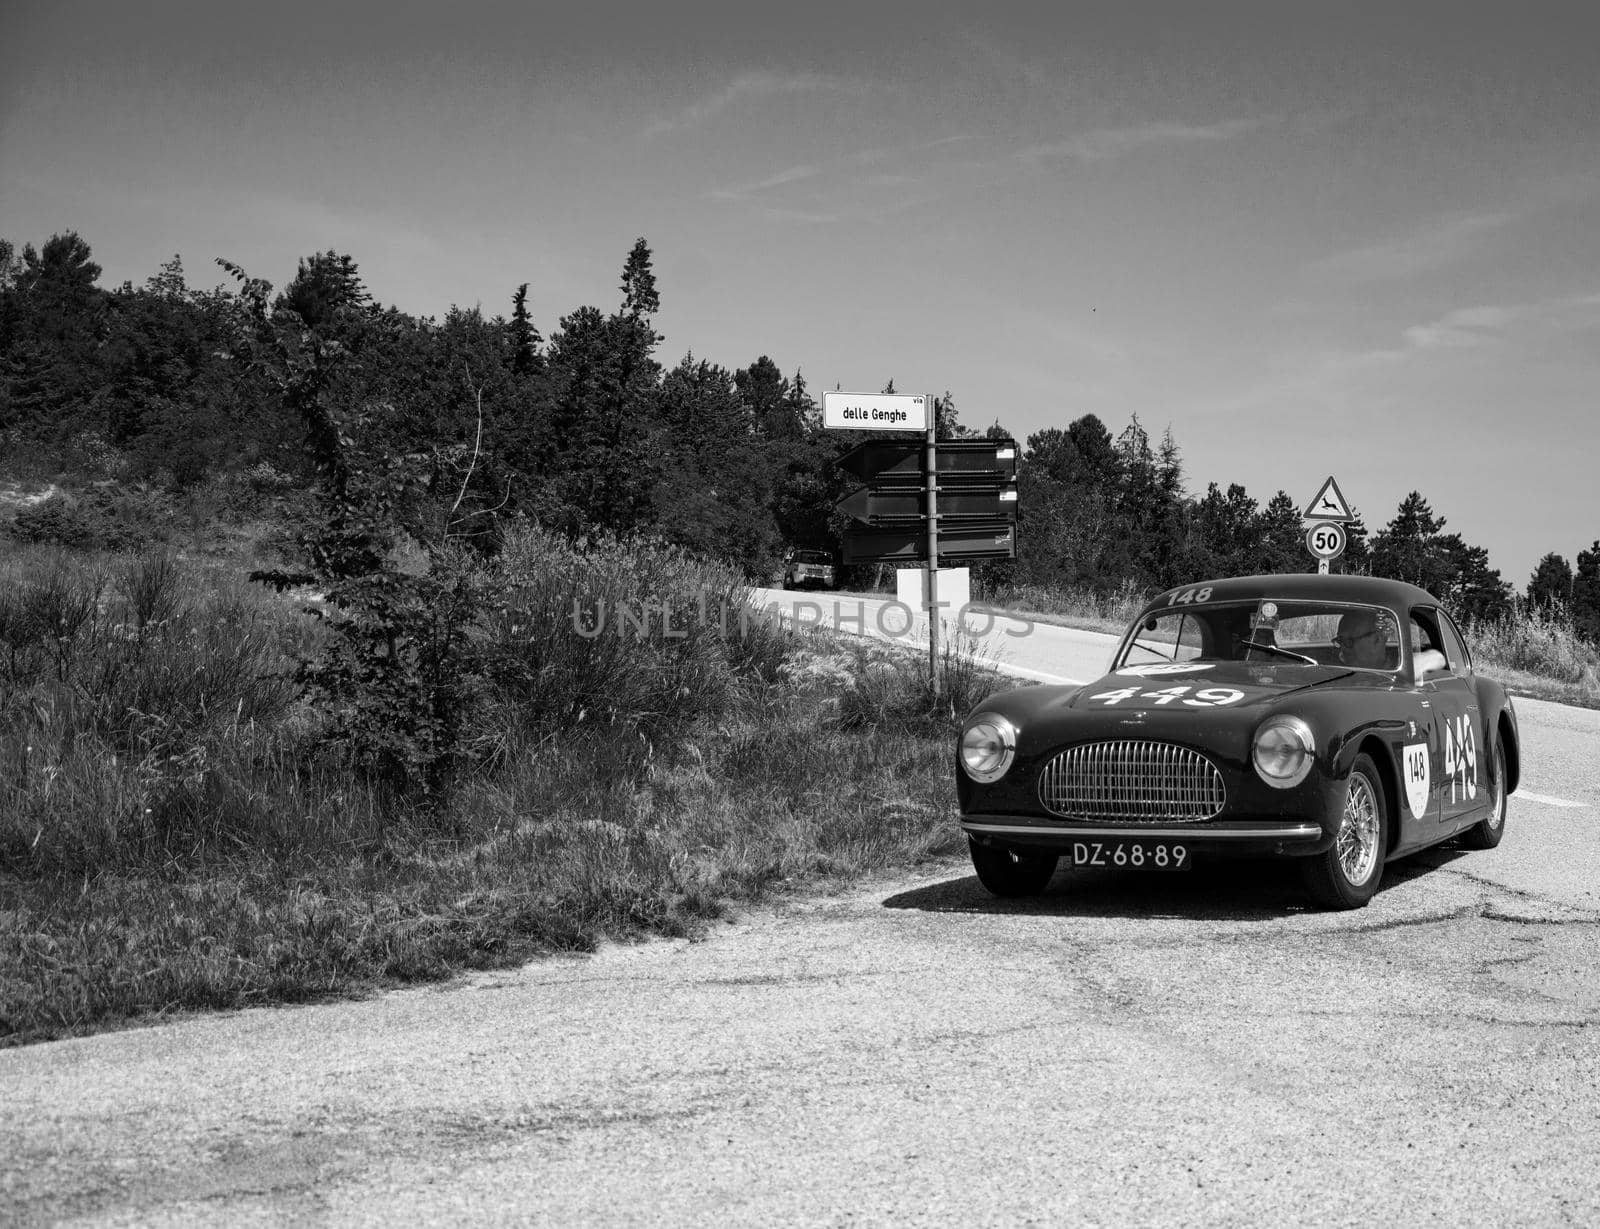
[[1329, 504], [989, 539], [977, 499], [875, 411], [1326, 540], [909, 503], [899, 462]]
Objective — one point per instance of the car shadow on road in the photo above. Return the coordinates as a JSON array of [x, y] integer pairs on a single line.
[[1243, 890]]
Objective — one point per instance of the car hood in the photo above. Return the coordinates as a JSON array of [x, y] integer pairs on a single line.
[[1220, 700], [1258, 682]]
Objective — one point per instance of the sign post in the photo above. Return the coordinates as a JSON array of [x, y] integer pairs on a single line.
[[1328, 511], [922, 499], [1326, 541], [930, 467]]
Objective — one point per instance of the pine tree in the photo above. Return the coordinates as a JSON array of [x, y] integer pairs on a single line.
[[324, 285], [1408, 547], [1551, 583], [639, 298], [1282, 540], [524, 337], [1586, 594]]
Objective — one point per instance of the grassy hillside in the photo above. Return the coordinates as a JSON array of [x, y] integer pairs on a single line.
[[178, 831]]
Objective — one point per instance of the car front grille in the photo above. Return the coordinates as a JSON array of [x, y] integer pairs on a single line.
[[1132, 781]]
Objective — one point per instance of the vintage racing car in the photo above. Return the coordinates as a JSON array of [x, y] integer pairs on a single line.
[[1332, 719]]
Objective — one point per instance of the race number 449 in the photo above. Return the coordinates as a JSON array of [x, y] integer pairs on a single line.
[[1461, 757]]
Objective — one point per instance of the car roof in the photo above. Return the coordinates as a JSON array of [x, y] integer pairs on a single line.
[[1372, 590]]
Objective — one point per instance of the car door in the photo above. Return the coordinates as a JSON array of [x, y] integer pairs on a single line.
[[1456, 759]]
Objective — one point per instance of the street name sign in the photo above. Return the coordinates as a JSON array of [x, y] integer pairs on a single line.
[[875, 411]]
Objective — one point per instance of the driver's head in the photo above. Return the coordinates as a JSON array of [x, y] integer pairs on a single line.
[[1360, 640]]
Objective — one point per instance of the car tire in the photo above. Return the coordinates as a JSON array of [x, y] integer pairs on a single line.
[[1012, 872], [1486, 833], [1348, 874]]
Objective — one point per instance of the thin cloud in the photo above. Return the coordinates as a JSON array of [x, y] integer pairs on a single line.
[[1106, 143], [1463, 328], [1443, 242], [793, 175], [1468, 327], [748, 87], [878, 154]]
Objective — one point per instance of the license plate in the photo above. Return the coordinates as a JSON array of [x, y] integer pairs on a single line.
[[1139, 856]]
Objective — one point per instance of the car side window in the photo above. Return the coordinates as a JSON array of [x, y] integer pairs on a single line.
[[1428, 657], [1455, 645]]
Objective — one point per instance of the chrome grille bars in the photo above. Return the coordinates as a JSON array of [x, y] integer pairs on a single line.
[[1132, 781]]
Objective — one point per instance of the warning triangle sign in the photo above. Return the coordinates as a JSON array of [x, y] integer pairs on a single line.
[[1329, 504]]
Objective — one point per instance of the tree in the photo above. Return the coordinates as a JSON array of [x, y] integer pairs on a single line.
[[601, 459], [168, 283], [716, 493], [947, 424], [1586, 594], [524, 337], [639, 298], [325, 284], [1408, 547], [1550, 586], [765, 395], [54, 323], [1472, 588], [1226, 533], [1414, 548], [1282, 537]]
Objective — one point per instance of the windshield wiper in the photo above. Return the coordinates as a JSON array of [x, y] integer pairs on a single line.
[[1247, 645]]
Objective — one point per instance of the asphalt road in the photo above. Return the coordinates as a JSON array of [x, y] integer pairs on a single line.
[[1190, 1048]]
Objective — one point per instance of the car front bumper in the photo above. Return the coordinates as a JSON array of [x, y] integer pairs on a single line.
[[1239, 837]]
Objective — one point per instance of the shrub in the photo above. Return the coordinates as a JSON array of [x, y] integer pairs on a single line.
[[1536, 638]]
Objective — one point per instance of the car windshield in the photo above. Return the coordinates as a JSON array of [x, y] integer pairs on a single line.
[[1307, 633], [810, 556]]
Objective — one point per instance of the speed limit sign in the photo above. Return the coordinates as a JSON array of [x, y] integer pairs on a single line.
[[1326, 540]]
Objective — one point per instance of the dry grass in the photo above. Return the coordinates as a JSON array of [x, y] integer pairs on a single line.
[[171, 843]]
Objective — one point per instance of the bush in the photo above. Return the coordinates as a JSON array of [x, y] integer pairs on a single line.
[[1539, 639], [105, 517]]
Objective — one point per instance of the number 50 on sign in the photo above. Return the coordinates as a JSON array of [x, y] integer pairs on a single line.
[[1326, 540]]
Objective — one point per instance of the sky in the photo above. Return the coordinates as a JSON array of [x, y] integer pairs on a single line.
[[1310, 239]]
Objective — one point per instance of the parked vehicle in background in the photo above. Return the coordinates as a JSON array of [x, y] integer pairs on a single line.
[[808, 569]]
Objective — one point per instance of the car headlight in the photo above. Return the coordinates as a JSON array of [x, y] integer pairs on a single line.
[[988, 745], [1284, 750]]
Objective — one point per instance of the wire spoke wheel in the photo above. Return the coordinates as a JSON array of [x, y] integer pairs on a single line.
[[1360, 832], [1347, 873]]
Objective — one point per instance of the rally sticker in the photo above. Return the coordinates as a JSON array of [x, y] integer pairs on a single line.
[[1165, 667], [1416, 770]]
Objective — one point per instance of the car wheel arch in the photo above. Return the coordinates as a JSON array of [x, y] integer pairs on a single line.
[[1508, 742], [1382, 757]]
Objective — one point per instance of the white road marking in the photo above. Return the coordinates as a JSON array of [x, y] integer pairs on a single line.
[[1037, 675], [1547, 800]]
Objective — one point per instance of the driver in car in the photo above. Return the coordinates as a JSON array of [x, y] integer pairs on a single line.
[[1361, 641]]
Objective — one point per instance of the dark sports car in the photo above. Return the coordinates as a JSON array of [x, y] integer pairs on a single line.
[[1336, 720]]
